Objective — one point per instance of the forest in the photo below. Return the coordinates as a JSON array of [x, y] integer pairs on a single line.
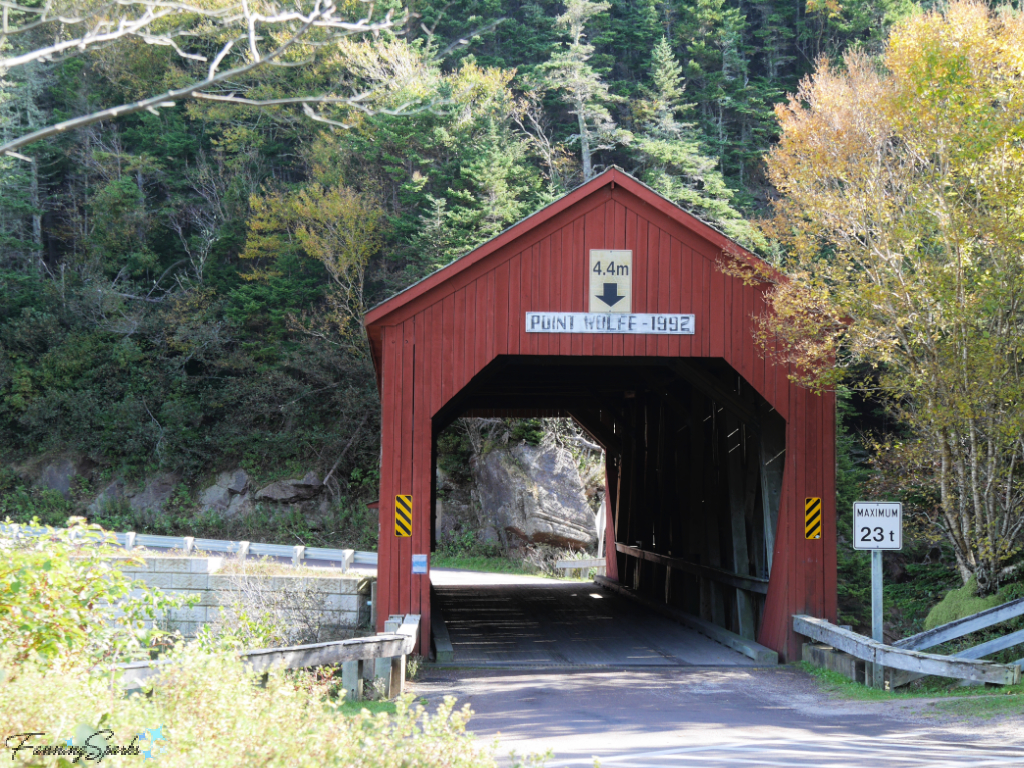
[[182, 287]]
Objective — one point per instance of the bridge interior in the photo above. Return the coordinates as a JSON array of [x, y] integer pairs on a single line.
[[545, 623], [694, 463]]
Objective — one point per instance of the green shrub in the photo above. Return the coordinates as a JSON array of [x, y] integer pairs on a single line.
[[959, 603], [206, 711], [65, 593], [22, 504]]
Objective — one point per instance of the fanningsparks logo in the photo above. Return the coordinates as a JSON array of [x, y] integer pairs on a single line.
[[90, 744]]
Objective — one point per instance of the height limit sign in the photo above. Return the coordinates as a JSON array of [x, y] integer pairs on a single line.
[[611, 282], [877, 525]]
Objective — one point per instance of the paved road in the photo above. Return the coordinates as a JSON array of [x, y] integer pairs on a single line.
[[569, 669], [709, 717]]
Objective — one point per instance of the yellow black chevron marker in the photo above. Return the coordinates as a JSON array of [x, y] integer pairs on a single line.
[[812, 517], [403, 516]]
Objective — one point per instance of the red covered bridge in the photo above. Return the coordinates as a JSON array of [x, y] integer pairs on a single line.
[[608, 307]]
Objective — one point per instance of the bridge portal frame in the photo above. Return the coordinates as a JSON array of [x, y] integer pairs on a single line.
[[430, 341]]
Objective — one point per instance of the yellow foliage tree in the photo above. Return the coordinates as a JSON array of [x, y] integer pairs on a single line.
[[342, 230], [337, 226], [903, 219]]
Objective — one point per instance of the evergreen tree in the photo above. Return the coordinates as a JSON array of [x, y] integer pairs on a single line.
[[670, 155], [570, 73], [21, 210], [714, 39]]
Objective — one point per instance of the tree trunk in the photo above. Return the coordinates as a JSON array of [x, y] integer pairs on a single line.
[[588, 166]]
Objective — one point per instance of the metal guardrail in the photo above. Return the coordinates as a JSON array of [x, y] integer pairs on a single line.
[[130, 540], [150, 540], [583, 565], [365, 558], [912, 661]]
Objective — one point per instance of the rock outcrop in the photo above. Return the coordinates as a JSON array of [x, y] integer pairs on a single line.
[[229, 495], [157, 492], [521, 494], [106, 498], [57, 476], [291, 491]]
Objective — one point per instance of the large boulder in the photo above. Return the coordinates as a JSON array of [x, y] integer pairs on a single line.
[[291, 491], [156, 492], [240, 506], [236, 480], [215, 497], [228, 495], [535, 493]]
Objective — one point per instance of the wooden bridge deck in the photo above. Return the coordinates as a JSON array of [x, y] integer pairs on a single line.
[[568, 624]]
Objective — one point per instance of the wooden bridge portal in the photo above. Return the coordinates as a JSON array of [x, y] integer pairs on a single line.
[[608, 307]]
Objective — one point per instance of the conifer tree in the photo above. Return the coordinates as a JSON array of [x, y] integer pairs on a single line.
[[570, 74], [670, 154]]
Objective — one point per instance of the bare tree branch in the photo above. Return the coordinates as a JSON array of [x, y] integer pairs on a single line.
[[118, 20], [465, 40]]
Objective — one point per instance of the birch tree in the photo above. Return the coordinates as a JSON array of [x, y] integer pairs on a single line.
[[220, 44], [903, 215]]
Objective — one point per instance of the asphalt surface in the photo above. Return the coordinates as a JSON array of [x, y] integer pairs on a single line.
[[639, 718], [550, 669], [575, 705]]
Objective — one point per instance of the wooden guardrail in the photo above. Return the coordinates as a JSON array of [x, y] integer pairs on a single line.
[[866, 649], [582, 565], [961, 627], [391, 648], [749, 583], [750, 648]]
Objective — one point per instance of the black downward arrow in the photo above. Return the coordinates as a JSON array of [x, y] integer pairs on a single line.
[[611, 294]]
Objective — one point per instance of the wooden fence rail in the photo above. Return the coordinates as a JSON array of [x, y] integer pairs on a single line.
[[391, 647], [955, 629], [739, 581], [961, 627], [866, 649]]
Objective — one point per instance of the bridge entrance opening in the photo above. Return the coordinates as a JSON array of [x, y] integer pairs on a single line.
[[720, 470], [694, 460]]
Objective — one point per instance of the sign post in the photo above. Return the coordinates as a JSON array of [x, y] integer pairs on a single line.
[[877, 526]]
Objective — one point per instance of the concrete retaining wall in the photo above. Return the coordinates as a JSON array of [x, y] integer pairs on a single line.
[[344, 598]]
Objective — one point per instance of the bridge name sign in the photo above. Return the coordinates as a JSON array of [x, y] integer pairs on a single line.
[[603, 322]]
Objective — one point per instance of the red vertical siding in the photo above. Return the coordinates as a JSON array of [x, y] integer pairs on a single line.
[[430, 344], [390, 413], [581, 275], [828, 449], [515, 315]]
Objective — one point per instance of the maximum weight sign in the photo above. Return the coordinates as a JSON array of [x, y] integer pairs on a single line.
[[877, 525]]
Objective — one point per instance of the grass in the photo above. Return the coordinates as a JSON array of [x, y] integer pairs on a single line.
[[351, 708], [267, 567], [960, 697], [484, 563], [490, 564], [984, 708]]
